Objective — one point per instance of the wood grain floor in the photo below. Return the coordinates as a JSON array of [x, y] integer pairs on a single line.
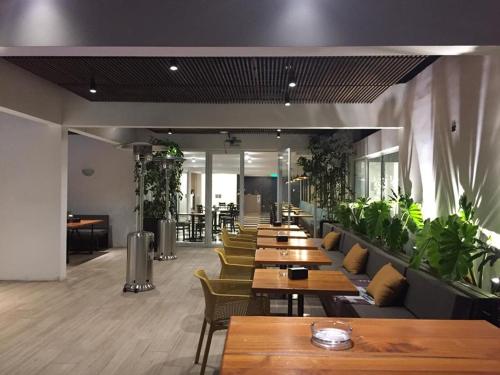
[[86, 325]]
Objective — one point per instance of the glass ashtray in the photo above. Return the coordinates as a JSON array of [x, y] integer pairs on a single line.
[[331, 334]]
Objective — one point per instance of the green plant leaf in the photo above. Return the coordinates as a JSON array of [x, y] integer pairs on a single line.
[[376, 215]]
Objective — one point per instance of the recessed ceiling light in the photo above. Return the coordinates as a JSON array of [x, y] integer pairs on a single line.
[[287, 101], [278, 134], [173, 65], [223, 132], [193, 160], [92, 87], [292, 81], [170, 132]]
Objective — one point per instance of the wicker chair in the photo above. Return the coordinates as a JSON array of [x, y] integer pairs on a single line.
[[239, 251], [235, 267], [223, 299], [247, 231], [237, 241]]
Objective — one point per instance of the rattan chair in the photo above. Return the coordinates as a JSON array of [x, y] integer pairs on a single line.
[[237, 241], [223, 299], [247, 231], [235, 267], [239, 251]]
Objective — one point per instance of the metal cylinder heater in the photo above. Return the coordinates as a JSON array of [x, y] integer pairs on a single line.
[[140, 251], [167, 230]]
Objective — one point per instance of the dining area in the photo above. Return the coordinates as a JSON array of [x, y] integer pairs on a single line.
[[270, 266]]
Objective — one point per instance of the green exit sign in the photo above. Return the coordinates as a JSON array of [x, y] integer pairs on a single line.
[[274, 175]]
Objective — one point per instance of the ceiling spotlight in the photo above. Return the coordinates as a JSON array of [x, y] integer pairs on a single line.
[[287, 101], [193, 160], [278, 134], [170, 132], [249, 161], [173, 65], [292, 81], [92, 88]]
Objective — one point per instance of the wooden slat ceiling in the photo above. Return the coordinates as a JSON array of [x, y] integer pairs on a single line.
[[345, 79]]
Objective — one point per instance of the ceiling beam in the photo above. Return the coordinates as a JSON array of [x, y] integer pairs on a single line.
[[243, 23]]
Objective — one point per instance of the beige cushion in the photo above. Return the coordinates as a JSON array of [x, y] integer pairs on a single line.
[[330, 241], [386, 286], [355, 260]]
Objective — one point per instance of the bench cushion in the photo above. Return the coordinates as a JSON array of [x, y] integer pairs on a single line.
[[389, 312], [430, 298]]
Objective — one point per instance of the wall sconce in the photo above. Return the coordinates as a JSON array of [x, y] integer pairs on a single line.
[[495, 285], [88, 172]]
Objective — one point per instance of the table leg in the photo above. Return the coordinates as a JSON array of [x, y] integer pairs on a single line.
[[192, 229], [300, 305], [290, 305], [92, 239]]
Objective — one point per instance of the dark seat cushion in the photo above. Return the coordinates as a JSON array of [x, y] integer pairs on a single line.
[[389, 312], [430, 298]]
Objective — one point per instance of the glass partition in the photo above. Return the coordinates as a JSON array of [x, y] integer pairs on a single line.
[[225, 193], [375, 178], [391, 174], [190, 215]]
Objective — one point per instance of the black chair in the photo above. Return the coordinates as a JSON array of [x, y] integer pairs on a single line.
[[181, 226]]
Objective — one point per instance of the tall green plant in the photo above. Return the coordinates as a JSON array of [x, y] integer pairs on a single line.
[[450, 246], [328, 169], [154, 181]]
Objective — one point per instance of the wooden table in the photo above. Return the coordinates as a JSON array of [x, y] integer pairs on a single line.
[[296, 216], [292, 243], [74, 226], [281, 345], [295, 257], [318, 282], [273, 233], [282, 227]]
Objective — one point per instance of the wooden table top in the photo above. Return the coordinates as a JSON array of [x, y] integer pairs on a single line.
[[83, 223], [319, 282], [292, 243], [282, 227], [293, 214], [282, 345], [191, 213], [296, 257], [273, 233]]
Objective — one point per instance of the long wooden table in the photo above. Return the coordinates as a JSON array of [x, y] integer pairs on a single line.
[[282, 345], [281, 227], [273, 233], [292, 243], [319, 282], [74, 226], [295, 257]]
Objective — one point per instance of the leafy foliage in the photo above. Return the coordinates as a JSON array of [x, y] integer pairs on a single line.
[[377, 214], [450, 245], [410, 211], [395, 234], [328, 169], [154, 182]]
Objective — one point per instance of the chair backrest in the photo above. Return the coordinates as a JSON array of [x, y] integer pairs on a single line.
[[199, 208], [208, 292]]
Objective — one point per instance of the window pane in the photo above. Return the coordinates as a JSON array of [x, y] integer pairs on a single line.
[[391, 174], [359, 178], [375, 178]]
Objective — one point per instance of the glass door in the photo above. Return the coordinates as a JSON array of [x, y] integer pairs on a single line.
[[225, 193]]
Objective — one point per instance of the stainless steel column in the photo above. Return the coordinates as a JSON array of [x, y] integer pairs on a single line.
[[167, 227], [140, 250]]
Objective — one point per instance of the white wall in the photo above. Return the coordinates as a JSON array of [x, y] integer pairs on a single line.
[[225, 185], [32, 199], [109, 191]]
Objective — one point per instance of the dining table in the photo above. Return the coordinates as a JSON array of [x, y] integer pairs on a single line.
[[290, 227], [282, 345], [265, 257], [73, 226], [274, 233], [318, 282], [292, 243]]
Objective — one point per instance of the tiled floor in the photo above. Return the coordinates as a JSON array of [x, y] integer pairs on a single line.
[[86, 325]]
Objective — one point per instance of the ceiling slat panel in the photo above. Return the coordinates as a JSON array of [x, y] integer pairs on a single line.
[[344, 79]]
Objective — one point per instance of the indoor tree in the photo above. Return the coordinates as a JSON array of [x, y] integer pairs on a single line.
[[328, 169]]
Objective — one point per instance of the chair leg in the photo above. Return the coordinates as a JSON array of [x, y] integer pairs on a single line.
[[200, 342], [207, 349]]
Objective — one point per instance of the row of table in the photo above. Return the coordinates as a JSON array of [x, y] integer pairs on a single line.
[[278, 345]]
